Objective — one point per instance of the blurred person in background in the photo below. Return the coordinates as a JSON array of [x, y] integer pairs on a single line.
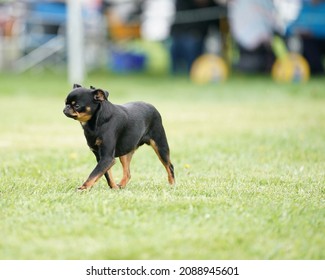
[[310, 26], [188, 32], [253, 23]]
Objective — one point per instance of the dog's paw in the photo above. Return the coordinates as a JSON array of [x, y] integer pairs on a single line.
[[121, 186], [115, 187], [82, 188]]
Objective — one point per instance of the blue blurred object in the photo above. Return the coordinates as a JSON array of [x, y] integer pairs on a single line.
[[43, 23], [50, 12], [311, 21], [122, 61]]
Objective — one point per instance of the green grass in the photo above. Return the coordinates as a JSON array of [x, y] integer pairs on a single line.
[[249, 157]]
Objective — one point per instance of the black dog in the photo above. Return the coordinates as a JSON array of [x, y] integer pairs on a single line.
[[116, 131]]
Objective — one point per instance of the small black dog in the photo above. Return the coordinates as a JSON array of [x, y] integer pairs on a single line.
[[116, 131]]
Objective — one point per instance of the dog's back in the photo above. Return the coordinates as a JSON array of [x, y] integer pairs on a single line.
[[143, 119]]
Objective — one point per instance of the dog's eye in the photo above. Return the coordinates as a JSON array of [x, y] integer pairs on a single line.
[[76, 106]]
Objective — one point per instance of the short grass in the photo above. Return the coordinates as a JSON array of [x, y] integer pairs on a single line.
[[249, 157]]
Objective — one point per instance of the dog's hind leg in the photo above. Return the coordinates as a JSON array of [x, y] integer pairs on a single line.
[[161, 148], [125, 161]]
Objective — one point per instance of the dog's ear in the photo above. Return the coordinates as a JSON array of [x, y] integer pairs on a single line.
[[100, 95], [76, 86]]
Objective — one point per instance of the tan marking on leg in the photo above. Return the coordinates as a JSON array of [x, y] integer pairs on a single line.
[[125, 161], [171, 179], [111, 182], [89, 183], [92, 180]]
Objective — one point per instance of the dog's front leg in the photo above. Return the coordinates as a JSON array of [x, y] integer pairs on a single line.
[[102, 168], [108, 174], [105, 162]]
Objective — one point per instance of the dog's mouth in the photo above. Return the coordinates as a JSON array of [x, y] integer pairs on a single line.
[[82, 117], [70, 114], [79, 116]]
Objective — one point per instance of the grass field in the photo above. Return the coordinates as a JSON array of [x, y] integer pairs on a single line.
[[249, 157]]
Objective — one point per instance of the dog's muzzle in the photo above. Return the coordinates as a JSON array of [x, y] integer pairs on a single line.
[[69, 112]]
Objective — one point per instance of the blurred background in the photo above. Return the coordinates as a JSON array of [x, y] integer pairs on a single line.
[[160, 36]]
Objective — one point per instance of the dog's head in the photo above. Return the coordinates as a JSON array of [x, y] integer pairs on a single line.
[[81, 102]]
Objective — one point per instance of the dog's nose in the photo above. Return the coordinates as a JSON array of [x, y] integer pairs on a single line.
[[66, 109]]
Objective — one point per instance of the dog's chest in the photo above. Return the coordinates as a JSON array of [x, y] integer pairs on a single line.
[[93, 138]]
